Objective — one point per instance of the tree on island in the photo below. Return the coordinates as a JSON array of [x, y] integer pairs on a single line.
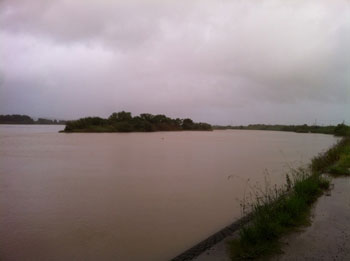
[[124, 122]]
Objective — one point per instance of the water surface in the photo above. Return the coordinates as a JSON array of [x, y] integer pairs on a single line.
[[131, 196]]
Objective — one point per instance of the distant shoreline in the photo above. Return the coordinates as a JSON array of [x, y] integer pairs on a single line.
[[33, 124], [338, 130], [27, 120]]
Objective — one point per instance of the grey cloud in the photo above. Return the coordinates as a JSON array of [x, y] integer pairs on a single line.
[[222, 62]]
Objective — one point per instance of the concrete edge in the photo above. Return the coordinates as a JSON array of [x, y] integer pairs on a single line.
[[212, 240]]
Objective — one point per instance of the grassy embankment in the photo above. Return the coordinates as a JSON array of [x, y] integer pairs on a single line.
[[276, 212], [335, 161]]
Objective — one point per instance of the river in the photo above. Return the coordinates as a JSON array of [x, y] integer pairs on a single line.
[[132, 196]]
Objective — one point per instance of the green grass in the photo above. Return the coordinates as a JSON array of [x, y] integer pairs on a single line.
[[277, 212], [323, 162], [342, 166]]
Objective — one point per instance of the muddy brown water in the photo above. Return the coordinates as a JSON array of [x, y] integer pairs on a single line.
[[131, 196]]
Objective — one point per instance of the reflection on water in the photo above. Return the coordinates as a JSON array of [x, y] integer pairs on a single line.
[[135, 196]]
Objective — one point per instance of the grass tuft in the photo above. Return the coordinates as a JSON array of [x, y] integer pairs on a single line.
[[326, 161], [276, 213], [342, 166]]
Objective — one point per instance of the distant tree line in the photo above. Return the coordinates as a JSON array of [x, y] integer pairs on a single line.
[[125, 122], [25, 119], [338, 130]]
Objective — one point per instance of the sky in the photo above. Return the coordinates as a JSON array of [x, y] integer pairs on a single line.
[[223, 62]]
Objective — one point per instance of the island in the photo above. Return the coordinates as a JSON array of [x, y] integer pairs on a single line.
[[125, 122]]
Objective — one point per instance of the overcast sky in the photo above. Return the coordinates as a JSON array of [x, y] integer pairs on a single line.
[[223, 62]]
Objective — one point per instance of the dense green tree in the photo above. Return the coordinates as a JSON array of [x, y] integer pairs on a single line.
[[146, 116], [120, 116], [187, 124], [124, 122]]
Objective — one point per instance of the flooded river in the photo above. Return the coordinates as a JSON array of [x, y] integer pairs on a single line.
[[131, 196]]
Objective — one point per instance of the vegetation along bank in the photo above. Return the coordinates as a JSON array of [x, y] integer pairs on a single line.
[[25, 119], [275, 212], [338, 130]]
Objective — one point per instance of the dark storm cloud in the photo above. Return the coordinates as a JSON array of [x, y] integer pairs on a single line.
[[218, 61]]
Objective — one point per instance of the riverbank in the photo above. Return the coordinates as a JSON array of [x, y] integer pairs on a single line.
[[328, 236], [278, 212]]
